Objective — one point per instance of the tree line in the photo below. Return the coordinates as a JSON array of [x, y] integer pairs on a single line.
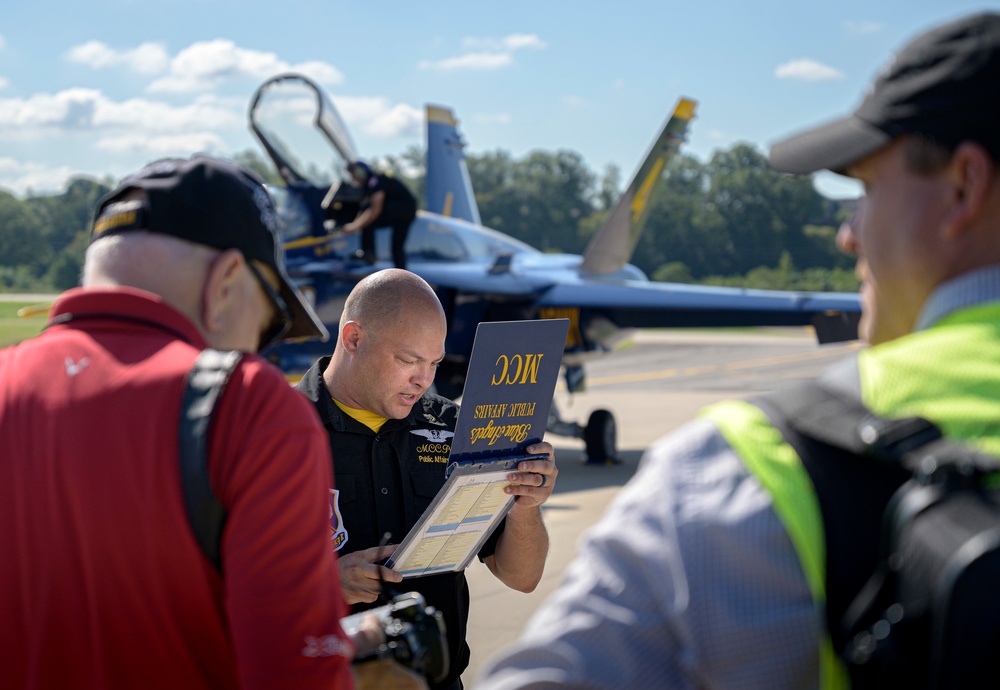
[[729, 221]]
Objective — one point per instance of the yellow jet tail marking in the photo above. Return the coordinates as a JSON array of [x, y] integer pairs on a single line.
[[685, 109], [442, 115], [642, 194]]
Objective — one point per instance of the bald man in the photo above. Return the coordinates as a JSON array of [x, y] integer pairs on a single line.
[[372, 396]]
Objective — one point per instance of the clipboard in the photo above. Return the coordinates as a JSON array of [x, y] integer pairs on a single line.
[[459, 520], [504, 410]]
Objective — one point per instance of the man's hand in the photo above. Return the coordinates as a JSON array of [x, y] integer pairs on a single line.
[[380, 674], [535, 479], [360, 577], [387, 674], [520, 554]]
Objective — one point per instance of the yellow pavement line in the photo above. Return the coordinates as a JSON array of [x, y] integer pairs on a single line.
[[712, 368]]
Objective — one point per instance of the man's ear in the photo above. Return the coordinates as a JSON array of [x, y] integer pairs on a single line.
[[972, 175], [221, 290], [350, 337]]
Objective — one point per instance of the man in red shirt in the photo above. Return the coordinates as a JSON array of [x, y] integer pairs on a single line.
[[102, 583]]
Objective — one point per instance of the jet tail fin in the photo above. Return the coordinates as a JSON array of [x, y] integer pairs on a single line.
[[449, 190], [612, 245]]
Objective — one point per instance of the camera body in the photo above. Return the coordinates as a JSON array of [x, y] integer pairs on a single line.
[[414, 635]]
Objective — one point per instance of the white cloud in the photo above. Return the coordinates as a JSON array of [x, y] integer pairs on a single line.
[[199, 67], [93, 54], [78, 109], [322, 72], [23, 177], [807, 70], [518, 41], [203, 65], [862, 27], [71, 109], [486, 53], [148, 58], [3, 43], [376, 117], [167, 145], [472, 61], [4, 82], [202, 113], [511, 42], [115, 133]]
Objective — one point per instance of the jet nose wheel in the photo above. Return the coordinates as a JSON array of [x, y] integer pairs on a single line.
[[601, 437]]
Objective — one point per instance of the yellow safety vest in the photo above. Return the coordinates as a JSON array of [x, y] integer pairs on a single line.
[[949, 373]]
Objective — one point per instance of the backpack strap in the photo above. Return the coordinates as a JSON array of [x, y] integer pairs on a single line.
[[907, 520], [205, 384], [854, 473], [857, 461], [836, 419]]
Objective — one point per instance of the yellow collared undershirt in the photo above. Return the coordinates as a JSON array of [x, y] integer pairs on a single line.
[[369, 419]]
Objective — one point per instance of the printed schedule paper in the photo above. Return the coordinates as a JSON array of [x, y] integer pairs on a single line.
[[462, 516], [505, 408]]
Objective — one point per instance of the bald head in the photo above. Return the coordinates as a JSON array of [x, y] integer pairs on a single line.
[[392, 335], [383, 298]]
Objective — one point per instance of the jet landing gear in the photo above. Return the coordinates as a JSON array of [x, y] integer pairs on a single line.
[[600, 435]]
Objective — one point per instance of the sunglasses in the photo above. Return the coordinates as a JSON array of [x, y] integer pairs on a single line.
[[282, 321]]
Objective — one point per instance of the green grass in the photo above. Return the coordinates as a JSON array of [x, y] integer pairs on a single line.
[[13, 328]]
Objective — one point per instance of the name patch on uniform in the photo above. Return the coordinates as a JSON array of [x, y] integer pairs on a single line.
[[338, 534], [434, 445]]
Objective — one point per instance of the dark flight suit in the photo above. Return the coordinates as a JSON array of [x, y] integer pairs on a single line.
[[398, 211], [385, 481]]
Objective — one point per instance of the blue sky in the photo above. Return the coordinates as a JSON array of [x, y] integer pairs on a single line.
[[101, 87]]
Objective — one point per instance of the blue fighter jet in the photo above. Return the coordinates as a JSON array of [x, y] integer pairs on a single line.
[[480, 274]]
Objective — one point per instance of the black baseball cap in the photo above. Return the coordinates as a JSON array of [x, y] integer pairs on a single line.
[[359, 168], [942, 85], [215, 203]]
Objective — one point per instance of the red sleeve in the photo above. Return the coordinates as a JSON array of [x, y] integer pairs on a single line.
[[271, 468]]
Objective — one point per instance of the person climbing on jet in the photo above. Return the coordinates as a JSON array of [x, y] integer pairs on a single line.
[[385, 202]]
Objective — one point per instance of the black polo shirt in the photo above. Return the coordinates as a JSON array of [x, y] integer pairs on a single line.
[[397, 196], [385, 481]]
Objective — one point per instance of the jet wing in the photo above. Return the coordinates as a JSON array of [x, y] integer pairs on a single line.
[[644, 304], [635, 304]]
